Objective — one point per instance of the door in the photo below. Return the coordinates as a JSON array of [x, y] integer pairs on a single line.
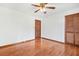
[[37, 29], [72, 29], [69, 29], [37, 34], [76, 23], [69, 23]]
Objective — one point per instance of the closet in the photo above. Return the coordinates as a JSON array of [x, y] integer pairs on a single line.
[[72, 29]]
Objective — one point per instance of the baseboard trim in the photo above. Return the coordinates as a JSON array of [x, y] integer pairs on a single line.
[[29, 41], [52, 40], [15, 43]]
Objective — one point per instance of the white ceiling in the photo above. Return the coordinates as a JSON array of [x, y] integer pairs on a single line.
[[27, 7]]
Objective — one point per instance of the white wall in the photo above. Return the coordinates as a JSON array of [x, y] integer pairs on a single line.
[[15, 26], [53, 27]]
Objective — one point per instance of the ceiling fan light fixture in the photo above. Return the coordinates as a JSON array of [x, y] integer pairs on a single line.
[[42, 9]]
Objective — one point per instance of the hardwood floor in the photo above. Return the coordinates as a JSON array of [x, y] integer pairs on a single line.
[[44, 48]]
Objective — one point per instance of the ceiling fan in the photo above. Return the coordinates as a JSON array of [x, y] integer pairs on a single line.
[[42, 7]]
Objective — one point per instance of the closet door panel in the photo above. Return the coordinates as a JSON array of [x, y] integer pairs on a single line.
[[70, 38], [76, 22], [69, 23], [76, 38]]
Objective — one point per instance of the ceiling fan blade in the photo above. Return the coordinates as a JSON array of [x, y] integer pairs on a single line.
[[36, 10], [35, 5], [50, 7], [45, 3]]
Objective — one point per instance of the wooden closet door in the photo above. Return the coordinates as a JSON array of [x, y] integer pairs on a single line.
[[69, 23], [72, 29], [76, 20], [69, 29]]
